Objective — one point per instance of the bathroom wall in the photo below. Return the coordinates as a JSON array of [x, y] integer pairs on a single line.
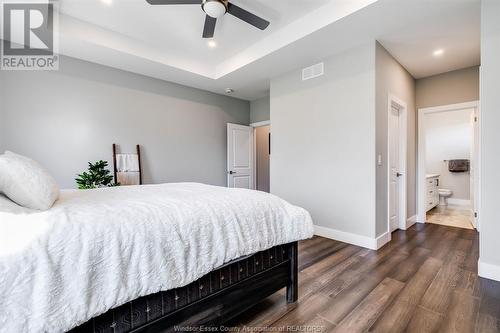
[[449, 136]]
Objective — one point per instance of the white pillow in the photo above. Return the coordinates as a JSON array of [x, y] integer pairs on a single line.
[[26, 182], [10, 207]]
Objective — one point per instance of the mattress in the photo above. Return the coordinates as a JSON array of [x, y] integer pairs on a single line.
[[95, 250]]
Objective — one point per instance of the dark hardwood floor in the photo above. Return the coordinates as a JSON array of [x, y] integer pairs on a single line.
[[424, 280]]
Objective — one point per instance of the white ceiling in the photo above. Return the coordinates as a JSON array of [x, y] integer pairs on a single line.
[[165, 41], [176, 30], [451, 25]]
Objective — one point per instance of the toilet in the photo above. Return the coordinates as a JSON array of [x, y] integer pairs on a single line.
[[444, 194]]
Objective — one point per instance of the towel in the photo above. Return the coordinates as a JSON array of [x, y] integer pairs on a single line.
[[128, 178], [458, 165], [127, 162]]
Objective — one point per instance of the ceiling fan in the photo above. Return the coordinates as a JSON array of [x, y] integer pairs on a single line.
[[216, 9]]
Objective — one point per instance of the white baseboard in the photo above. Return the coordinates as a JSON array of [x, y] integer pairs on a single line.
[[488, 271], [458, 202], [347, 237], [383, 239], [411, 221]]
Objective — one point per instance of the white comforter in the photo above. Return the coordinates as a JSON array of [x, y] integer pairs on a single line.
[[97, 249]]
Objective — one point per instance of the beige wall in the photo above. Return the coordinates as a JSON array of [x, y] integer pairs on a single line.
[[392, 78], [449, 88]]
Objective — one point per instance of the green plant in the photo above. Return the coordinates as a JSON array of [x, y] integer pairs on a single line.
[[96, 176]]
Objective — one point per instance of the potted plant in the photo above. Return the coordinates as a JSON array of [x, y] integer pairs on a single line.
[[96, 176]]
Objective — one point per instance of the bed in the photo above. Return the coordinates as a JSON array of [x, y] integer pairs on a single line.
[[145, 258]]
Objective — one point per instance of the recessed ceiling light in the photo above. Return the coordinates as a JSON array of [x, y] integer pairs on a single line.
[[212, 44], [229, 90], [438, 53], [107, 2]]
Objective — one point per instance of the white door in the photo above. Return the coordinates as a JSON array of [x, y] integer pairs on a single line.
[[394, 168], [240, 152]]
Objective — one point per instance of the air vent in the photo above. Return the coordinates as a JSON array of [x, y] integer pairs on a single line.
[[313, 71]]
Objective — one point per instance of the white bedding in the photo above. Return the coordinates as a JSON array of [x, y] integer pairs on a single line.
[[97, 249]]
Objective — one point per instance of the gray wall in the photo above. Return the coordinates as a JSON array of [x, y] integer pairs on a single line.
[[449, 88], [260, 110], [323, 134], [394, 79], [65, 118], [490, 138]]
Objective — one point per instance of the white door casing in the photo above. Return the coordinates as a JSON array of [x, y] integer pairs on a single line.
[[240, 154], [475, 158], [474, 162]]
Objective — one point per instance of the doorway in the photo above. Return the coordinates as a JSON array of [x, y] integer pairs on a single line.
[[448, 165], [397, 143], [262, 157], [248, 156]]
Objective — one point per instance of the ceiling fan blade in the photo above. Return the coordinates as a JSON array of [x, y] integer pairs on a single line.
[[209, 28], [247, 16], [174, 2]]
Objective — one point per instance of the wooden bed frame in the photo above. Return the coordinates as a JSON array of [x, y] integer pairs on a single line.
[[210, 301]]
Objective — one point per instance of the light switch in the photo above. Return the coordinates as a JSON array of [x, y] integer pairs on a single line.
[[379, 160]]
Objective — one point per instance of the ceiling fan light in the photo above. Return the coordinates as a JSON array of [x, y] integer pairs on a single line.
[[214, 8]]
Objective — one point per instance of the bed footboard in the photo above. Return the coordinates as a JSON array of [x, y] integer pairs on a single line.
[[212, 300]]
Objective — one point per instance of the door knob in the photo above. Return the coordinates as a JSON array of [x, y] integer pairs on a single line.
[[232, 172], [398, 174]]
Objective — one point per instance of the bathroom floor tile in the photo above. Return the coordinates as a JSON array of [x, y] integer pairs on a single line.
[[451, 215]]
